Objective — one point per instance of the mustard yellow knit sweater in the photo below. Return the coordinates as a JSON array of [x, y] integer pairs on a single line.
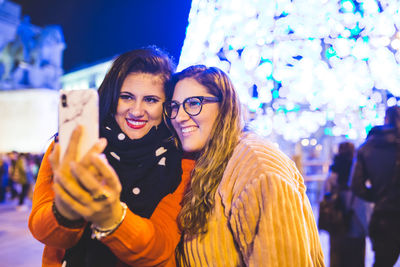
[[262, 216]]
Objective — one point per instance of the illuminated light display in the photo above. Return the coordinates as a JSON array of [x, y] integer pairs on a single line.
[[302, 68]]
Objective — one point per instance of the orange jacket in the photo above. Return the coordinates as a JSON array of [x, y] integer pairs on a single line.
[[137, 241]]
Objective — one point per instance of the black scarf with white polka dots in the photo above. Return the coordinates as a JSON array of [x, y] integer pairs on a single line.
[[148, 168]]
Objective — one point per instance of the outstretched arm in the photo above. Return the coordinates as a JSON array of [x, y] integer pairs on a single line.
[[52, 195], [42, 223]]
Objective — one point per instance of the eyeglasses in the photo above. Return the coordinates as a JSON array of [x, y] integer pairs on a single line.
[[191, 105]]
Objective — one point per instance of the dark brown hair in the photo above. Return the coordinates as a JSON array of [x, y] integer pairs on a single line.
[[150, 60]]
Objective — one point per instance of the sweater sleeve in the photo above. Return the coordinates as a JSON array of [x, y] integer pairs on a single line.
[[272, 222], [42, 223], [268, 210], [151, 242]]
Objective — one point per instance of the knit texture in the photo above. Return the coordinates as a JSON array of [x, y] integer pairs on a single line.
[[261, 217]]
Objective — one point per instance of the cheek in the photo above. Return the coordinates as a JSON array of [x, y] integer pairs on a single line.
[[156, 113], [210, 125], [121, 108]]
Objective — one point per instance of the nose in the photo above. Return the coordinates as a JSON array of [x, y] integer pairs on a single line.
[[182, 115], [137, 109]]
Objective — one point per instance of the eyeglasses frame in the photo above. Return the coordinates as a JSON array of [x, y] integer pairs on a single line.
[[203, 100]]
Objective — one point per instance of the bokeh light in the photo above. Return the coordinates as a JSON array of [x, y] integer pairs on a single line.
[[318, 67]]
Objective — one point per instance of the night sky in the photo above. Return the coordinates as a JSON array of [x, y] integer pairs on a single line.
[[96, 30]]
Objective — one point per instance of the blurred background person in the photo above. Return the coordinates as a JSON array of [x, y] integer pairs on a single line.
[[4, 176], [347, 238], [12, 175], [21, 176], [376, 178], [25, 180]]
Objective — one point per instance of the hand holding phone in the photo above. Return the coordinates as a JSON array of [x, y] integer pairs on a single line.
[[78, 107]]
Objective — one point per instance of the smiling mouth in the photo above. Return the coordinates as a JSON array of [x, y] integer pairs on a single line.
[[188, 130], [135, 124]]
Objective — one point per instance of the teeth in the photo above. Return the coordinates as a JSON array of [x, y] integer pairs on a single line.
[[137, 122], [188, 129]]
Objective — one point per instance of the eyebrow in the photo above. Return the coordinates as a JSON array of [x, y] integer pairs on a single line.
[[129, 93], [155, 96]]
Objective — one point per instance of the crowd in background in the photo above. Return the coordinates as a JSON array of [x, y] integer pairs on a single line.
[[361, 182], [18, 172]]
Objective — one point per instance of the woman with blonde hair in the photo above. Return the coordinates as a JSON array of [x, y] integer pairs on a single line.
[[246, 203]]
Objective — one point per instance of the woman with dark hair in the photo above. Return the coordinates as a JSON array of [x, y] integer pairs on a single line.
[[246, 203], [89, 213], [376, 178]]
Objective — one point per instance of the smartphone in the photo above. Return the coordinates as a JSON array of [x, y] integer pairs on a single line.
[[78, 107]]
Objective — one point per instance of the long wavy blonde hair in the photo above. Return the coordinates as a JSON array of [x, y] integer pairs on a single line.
[[211, 161]]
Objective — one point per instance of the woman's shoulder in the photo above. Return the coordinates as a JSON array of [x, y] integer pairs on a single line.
[[255, 157], [265, 153], [257, 162]]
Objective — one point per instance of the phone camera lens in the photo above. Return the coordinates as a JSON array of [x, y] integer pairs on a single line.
[[64, 100]]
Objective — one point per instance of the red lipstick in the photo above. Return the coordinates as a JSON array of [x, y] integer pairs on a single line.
[[136, 124]]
